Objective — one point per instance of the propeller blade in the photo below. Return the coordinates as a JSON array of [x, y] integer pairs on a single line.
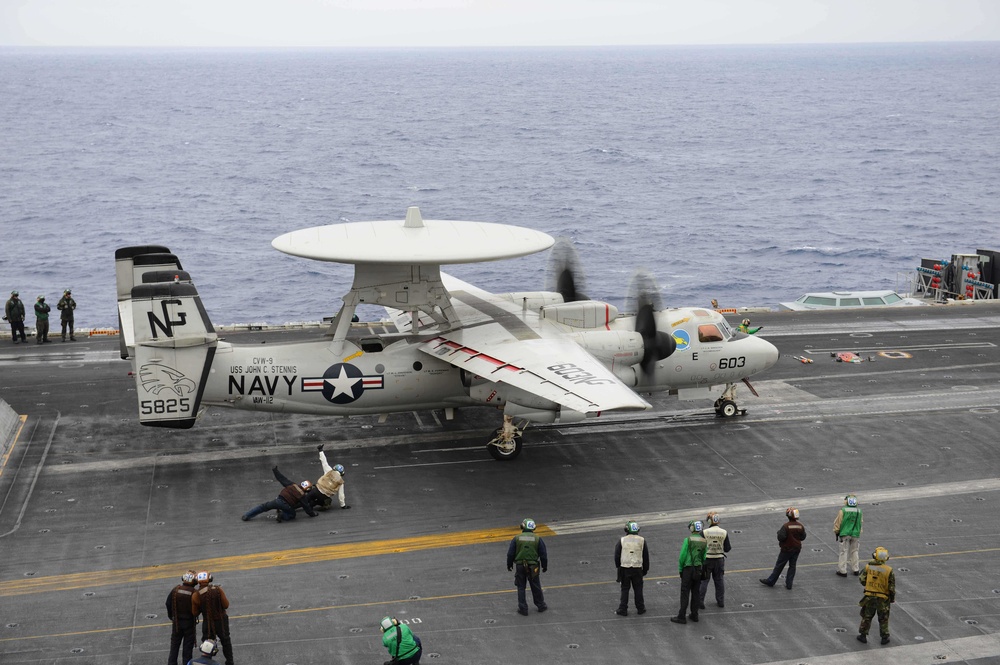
[[565, 275], [656, 344]]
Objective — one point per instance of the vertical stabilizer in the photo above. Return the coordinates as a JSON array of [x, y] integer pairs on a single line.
[[174, 348], [127, 276]]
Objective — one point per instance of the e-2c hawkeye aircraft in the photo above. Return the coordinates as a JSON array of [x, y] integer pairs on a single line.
[[540, 356]]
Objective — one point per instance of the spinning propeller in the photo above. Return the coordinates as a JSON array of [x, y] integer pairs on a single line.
[[565, 275], [644, 295]]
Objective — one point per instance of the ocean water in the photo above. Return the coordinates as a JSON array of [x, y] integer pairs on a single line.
[[745, 174]]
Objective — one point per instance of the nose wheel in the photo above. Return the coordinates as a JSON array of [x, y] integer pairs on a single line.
[[725, 406]]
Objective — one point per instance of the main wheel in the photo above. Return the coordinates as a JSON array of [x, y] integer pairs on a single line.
[[504, 452], [728, 409]]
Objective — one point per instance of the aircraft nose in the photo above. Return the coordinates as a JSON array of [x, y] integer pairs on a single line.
[[771, 355]]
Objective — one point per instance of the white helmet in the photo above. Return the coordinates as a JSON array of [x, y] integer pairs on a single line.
[[209, 647]]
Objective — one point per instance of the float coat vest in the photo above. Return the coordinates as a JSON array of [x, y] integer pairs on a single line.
[[716, 537], [632, 551], [527, 548], [850, 521], [877, 580], [292, 495]]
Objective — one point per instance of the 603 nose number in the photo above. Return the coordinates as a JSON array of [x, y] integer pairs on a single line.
[[732, 363]]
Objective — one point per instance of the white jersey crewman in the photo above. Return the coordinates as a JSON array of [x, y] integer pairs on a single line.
[[331, 482], [715, 560]]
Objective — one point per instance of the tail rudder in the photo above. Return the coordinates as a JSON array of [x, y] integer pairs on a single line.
[[174, 345], [131, 263]]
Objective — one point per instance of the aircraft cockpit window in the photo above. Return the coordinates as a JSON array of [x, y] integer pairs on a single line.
[[371, 345], [701, 313], [850, 302], [709, 333], [727, 330], [873, 301], [820, 300], [891, 298]]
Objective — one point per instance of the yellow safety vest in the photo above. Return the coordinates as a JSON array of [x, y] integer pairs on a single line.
[[877, 580]]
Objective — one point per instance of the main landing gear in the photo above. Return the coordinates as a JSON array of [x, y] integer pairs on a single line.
[[506, 445], [725, 406]]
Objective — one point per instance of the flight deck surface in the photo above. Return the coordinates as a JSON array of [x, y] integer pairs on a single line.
[[100, 516]]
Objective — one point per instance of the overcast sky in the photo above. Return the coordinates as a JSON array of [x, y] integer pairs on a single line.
[[380, 23]]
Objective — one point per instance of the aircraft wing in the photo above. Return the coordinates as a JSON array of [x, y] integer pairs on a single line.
[[497, 343], [555, 369]]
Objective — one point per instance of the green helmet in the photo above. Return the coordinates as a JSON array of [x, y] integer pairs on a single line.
[[632, 527], [696, 526], [528, 524]]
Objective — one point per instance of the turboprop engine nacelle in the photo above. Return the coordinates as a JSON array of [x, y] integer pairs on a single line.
[[559, 415], [533, 300], [581, 313], [617, 348]]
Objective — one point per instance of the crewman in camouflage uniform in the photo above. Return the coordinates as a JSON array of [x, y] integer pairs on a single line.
[[13, 313], [211, 602], [689, 565], [179, 605], [880, 592], [42, 321], [527, 552], [847, 529], [66, 305]]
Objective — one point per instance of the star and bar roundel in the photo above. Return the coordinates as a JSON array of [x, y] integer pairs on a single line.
[[342, 383]]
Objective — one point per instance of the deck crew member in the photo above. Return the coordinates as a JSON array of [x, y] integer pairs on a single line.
[[13, 313], [399, 640], [66, 305], [790, 537], [292, 496], [632, 562], [330, 483], [880, 592], [211, 602], [689, 565], [42, 321], [179, 612], [718, 546], [527, 552], [847, 529], [208, 649]]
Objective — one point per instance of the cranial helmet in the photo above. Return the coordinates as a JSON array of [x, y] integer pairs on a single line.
[[880, 554], [189, 577], [746, 322], [209, 647], [13, 293], [339, 468], [792, 513], [387, 623], [41, 297], [851, 500], [204, 577], [67, 291], [305, 484], [713, 518], [632, 527], [696, 526], [528, 524]]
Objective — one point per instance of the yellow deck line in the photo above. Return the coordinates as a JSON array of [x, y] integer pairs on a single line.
[[452, 596], [291, 557]]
